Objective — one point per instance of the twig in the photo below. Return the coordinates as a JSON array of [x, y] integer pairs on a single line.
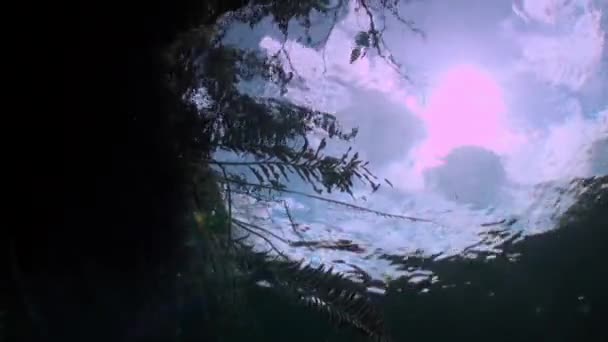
[[242, 238], [254, 226], [272, 246], [288, 57], [372, 26], [409, 23], [291, 221], [229, 204], [331, 28], [349, 205], [254, 196], [378, 40], [493, 223], [263, 162], [293, 224]]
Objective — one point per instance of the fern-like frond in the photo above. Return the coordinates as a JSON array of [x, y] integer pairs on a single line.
[[342, 301]]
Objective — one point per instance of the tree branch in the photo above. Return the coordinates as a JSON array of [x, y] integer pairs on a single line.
[[345, 204], [294, 225], [377, 39], [229, 163], [229, 195], [252, 231], [323, 42], [254, 226]]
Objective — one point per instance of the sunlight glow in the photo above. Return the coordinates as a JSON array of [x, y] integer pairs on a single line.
[[467, 108]]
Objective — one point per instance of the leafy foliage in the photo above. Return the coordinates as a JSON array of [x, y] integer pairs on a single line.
[[362, 42], [362, 39], [319, 288], [355, 54], [271, 137]]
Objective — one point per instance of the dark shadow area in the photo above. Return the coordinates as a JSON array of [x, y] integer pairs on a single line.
[[87, 273], [548, 287]]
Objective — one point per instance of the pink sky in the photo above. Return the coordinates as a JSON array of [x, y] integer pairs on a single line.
[[467, 108]]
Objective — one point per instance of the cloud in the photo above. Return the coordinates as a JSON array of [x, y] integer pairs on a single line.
[[570, 53], [546, 11], [471, 175], [559, 152]]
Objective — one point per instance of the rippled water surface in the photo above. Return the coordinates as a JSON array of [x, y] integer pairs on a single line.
[[506, 108]]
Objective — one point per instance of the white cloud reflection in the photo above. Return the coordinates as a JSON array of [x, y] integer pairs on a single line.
[[570, 53]]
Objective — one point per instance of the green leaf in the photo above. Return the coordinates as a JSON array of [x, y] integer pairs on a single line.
[[307, 174], [299, 172], [275, 174], [362, 39], [282, 169], [265, 170], [257, 175], [355, 54]]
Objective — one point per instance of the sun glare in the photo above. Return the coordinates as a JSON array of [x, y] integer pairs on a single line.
[[467, 108]]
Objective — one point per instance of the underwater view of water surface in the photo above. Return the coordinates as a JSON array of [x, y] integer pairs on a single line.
[[485, 125], [502, 110]]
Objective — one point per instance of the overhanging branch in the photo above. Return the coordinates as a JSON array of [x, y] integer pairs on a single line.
[[329, 200]]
